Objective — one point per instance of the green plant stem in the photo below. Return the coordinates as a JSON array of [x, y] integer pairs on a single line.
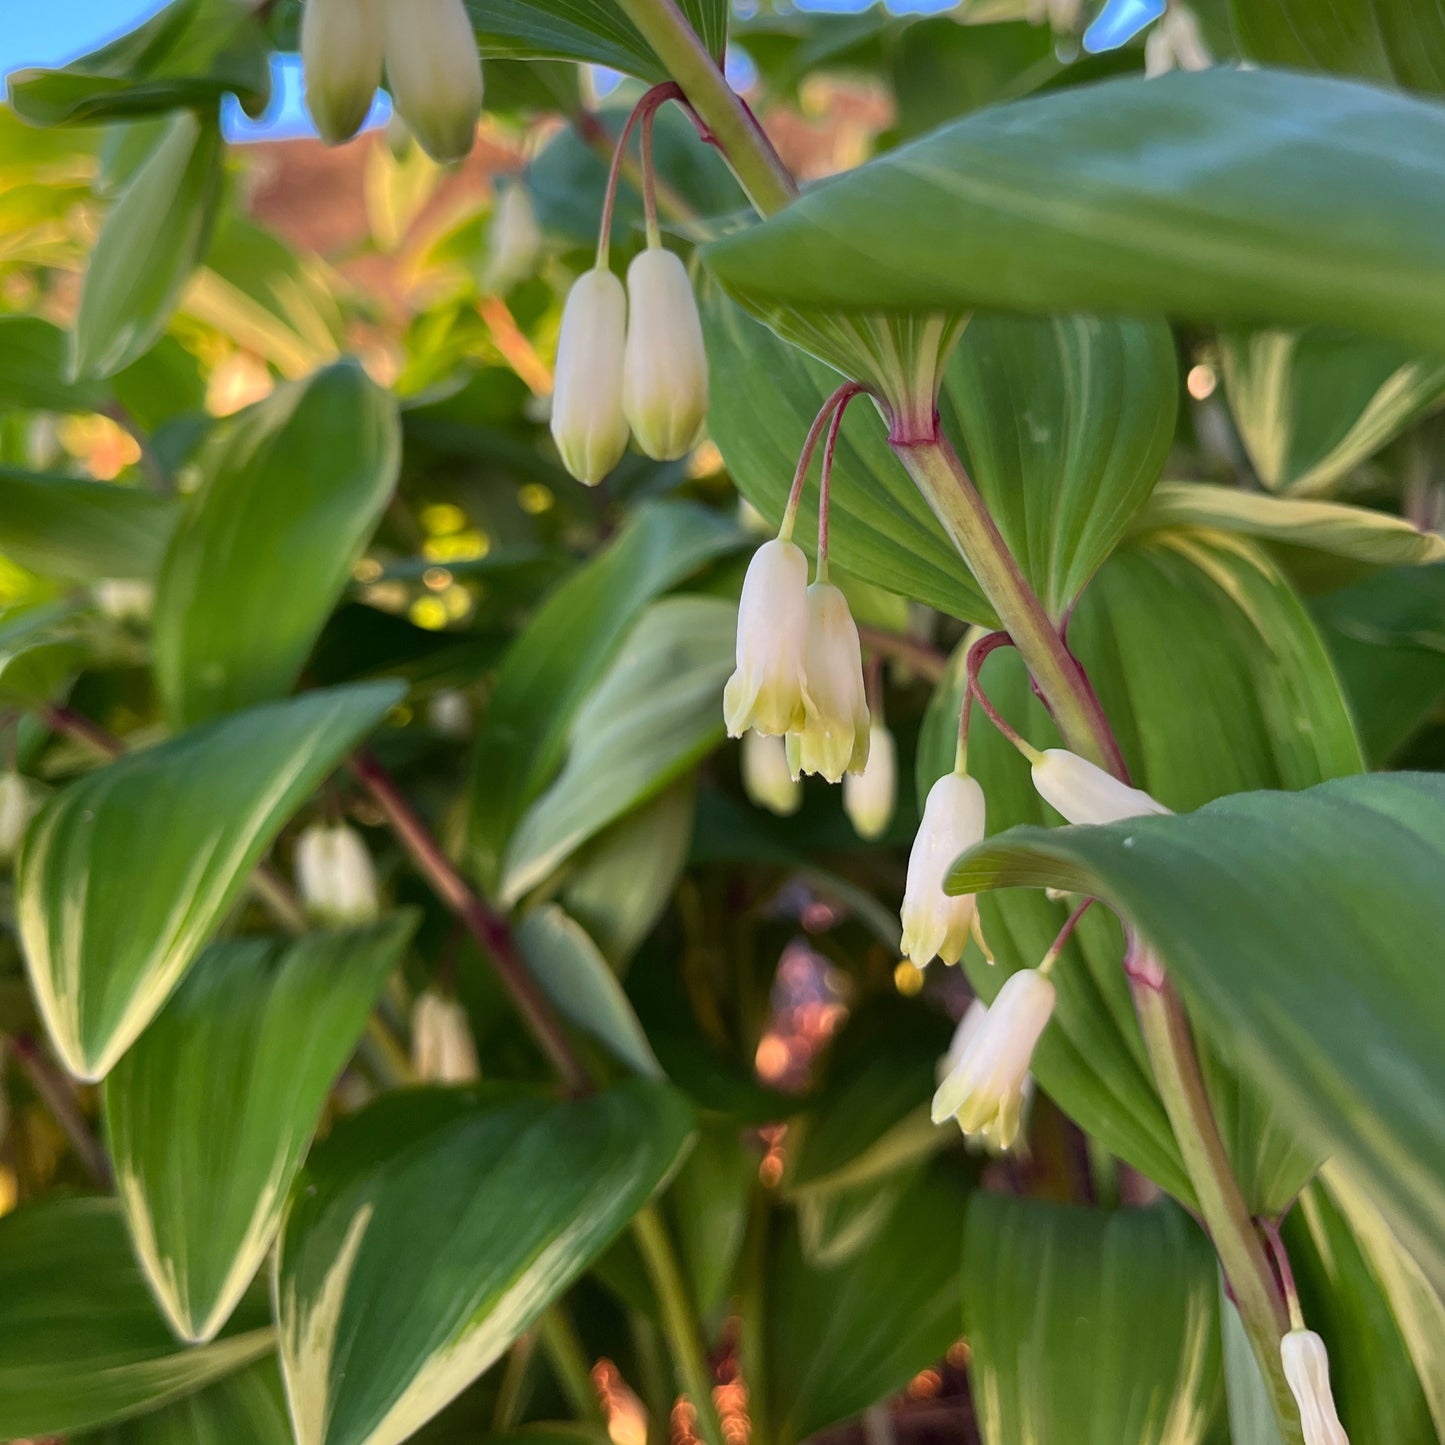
[[742, 141], [684, 1336], [1237, 1242], [939, 474], [488, 927], [568, 1360]]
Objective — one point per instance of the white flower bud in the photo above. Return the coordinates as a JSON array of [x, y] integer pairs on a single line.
[[834, 736], [335, 875], [985, 1090], [1176, 42], [434, 72], [1307, 1368], [341, 50], [442, 1048], [766, 690], [514, 239], [664, 388], [126, 599], [1084, 793], [18, 804], [767, 779], [870, 797], [935, 925], [588, 423]]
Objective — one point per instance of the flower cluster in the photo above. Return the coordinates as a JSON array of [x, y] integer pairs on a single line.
[[629, 363], [428, 52], [799, 668]]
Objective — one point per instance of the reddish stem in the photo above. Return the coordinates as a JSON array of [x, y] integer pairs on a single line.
[[844, 393], [643, 110]]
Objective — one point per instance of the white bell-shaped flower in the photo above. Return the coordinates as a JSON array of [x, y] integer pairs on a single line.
[[341, 57], [870, 797], [664, 387], [1307, 1369], [833, 739], [588, 423], [985, 1090], [443, 1050], [514, 239], [767, 779], [335, 876], [19, 801], [969, 1028], [1084, 793], [766, 690], [934, 924], [434, 72]]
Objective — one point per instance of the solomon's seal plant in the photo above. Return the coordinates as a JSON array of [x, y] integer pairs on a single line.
[[443, 995]]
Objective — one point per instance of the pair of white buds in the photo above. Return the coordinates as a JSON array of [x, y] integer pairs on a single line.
[[869, 797], [799, 671], [629, 362], [428, 51]]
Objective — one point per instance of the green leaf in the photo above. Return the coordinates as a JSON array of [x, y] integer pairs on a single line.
[[1386, 637], [598, 32], [1251, 1411], [246, 1409], [1064, 424], [34, 673], [82, 531], [1170, 626], [1303, 927], [126, 873], [562, 654], [572, 972], [1418, 1309], [153, 239], [34, 369], [1377, 39], [294, 487], [1314, 540], [377, 1335], [709, 1204], [210, 1115], [1089, 1328], [1375, 1384], [655, 714], [623, 880], [838, 1340], [190, 55], [1312, 404], [1137, 196], [81, 1343]]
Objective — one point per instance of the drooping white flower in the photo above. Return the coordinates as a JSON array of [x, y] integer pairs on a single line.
[[442, 1048], [833, 738], [985, 1090], [766, 690], [664, 388], [341, 55], [126, 599], [18, 804], [934, 924], [588, 423], [1176, 43], [1084, 793], [969, 1028], [434, 73], [514, 239], [1307, 1369], [870, 797], [767, 779], [335, 876]]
